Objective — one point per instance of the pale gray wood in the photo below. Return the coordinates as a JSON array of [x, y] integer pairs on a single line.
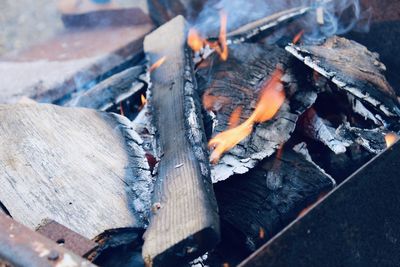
[[185, 223], [82, 168]]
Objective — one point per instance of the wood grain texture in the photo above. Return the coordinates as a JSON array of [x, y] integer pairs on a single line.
[[83, 168], [185, 223]]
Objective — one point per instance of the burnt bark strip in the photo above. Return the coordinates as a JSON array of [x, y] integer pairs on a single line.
[[237, 82], [351, 67], [111, 91], [185, 222], [259, 204]]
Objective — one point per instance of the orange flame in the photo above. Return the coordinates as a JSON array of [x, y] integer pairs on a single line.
[[298, 36], [235, 117], [157, 64], [390, 139], [261, 233], [214, 103], [271, 99], [197, 42], [143, 100]]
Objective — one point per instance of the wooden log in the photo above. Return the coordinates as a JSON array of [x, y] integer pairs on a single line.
[[260, 203], [225, 86], [71, 61], [185, 223], [351, 67], [82, 168], [111, 91]]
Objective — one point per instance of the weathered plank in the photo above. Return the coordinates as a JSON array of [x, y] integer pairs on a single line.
[[83, 168], [185, 223], [70, 61]]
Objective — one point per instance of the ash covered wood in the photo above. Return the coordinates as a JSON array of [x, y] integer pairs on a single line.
[[237, 82], [111, 91], [351, 67], [259, 204], [83, 168], [185, 222]]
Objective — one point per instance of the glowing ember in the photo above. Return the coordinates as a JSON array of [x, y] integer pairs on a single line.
[[195, 41], [271, 99], [121, 109], [261, 233], [157, 64], [390, 139], [235, 117], [298, 36], [214, 103]]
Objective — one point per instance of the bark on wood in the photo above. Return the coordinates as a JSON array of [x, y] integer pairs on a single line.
[[185, 223], [111, 91], [82, 168], [237, 82], [351, 67], [259, 204]]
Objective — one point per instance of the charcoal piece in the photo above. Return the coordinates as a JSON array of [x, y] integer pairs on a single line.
[[351, 67], [359, 108], [111, 91], [235, 83], [185, 222], [83, 168], [372, 140], [257, 205], [314, 127]]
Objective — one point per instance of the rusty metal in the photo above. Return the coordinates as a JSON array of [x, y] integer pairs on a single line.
[[355, 225], [69, 239], [19, 246]]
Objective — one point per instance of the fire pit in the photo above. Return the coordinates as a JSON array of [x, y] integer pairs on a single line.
[[231, 139]]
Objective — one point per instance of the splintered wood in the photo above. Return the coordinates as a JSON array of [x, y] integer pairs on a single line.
[[185, 222], [82, 168]]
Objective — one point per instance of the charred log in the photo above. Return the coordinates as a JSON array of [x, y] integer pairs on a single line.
[[185, 222], [225, 86], [351, 67], [269, 197]]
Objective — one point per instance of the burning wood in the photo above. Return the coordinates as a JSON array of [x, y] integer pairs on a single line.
[[239, 82], [351, 67], [269, 202], [186, 224], [391, 138]]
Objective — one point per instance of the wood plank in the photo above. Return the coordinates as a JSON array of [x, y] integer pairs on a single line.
[[185, 223], [82, 168], [70, 61]]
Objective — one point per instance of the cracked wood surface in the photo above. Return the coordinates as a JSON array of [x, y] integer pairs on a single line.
[[185, 222], [82, 168]]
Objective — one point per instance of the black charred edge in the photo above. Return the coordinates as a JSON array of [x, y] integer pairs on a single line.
[[195, 129]]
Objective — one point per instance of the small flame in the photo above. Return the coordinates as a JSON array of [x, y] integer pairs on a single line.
[[197, 42], [143, 101], [235, 117], [157, 64], [298, 36], [214, 103], [390, 139], [271, 99]]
